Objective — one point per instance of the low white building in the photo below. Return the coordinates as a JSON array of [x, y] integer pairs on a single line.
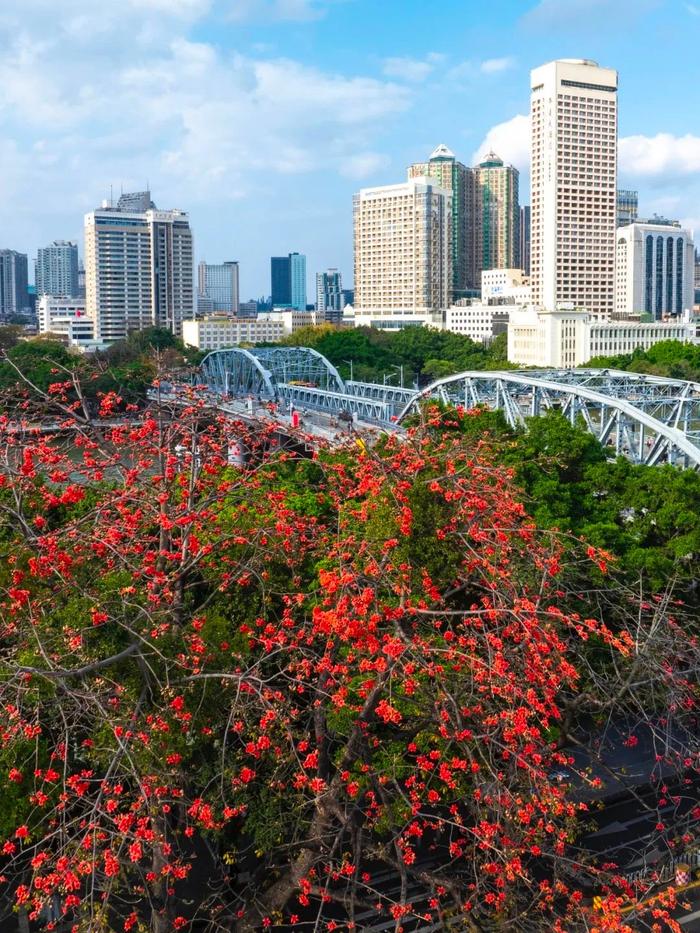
[[51, 308], [293, 319], [217, 333], [655, 269], [510, 286], [66, 318], [481, 322], [566, 337], [396, 320]]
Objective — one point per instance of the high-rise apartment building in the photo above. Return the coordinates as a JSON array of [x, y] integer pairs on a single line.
[[403, 253], [14, 288], [297, 275], [499, 214], [220, 284], [655, 270], [627, 206], [329, 295], [574, 185], [524, 263], [56, 269], [460, 180], [288, 281], [138, 268]]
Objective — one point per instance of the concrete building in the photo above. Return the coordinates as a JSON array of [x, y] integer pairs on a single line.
[[505, 286], [138, 268], [329, 295], [14, 286], [288, 281], [627, 207], [219, 332], [655, 269], [525, 239], [574, 185], [66, 318], [403, 253], [220, 284], [567, 337], [479, 321], [56, 269], [457, 178], [499, 214]]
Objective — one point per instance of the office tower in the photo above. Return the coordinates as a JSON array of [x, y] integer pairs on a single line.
[[56, 269], [14, 288], [329, 295], [460, 180], [627, 207], [403, 253], [655, 269], [81, 280], [288, 281], [219, 284], [138, 268], [525, 239], [574, 185], [499, 212], [348, 297]]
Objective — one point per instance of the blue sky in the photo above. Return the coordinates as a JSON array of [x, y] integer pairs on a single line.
[[261, 117]]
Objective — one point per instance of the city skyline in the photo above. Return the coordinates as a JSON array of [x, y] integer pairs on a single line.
[[239, 128]]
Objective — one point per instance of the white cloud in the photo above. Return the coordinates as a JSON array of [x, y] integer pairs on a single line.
[[692, 9], [585, 15], [280, 10], [363, 164], [411, 69], [660, 156], [510, 140], [495, 65]]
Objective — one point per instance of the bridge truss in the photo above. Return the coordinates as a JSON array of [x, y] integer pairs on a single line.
[[647, 419]]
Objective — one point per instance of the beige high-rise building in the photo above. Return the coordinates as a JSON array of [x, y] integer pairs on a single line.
[[138, 268], [461, 181], [403, 253], [499, 214], [574, 185]]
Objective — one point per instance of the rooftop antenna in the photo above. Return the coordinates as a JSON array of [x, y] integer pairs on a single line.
[[111, 196]]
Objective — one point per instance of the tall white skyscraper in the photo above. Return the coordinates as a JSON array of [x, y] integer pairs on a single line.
[[403, 253], [56, 269], [574, 185], [138, 268], [220, 284]]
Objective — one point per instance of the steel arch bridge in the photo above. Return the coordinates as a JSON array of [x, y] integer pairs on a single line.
[[648, 419], [262, 372]]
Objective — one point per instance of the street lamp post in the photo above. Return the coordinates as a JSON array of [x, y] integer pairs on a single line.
[[349, 362], [399, 369]]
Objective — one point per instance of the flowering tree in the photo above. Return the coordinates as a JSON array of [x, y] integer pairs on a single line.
[[241, 696]]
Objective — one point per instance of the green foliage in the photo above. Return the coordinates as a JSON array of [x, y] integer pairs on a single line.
[[669, 358], [426, 354]]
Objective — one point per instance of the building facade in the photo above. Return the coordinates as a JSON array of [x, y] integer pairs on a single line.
[[505, 286], [627, 207], [288, 281], [479, 321], [457, 178], [56, 269], [574, 185], [220, 284], [402, 253], [567, 337], [329, 295], [50, 308], [14, 285], [499, 214], [525, 239], [138, 269], [219, 332], [655, 270]]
